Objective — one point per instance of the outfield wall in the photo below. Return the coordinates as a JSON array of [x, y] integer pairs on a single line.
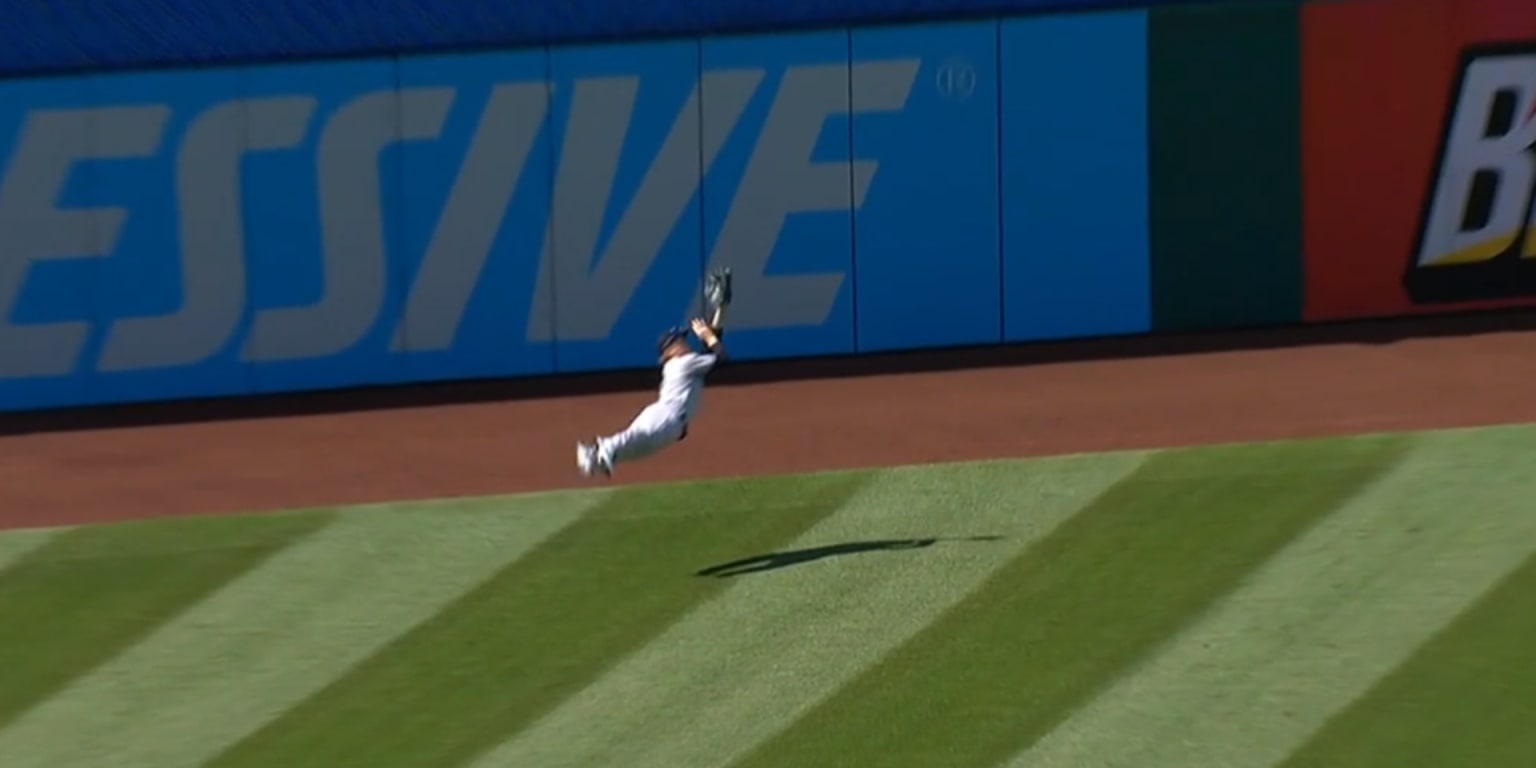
[[258, 228]]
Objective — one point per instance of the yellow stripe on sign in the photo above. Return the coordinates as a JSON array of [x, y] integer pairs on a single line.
[[1483, 251]]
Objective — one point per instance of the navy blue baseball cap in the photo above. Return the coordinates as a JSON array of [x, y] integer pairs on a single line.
[[672, 336]]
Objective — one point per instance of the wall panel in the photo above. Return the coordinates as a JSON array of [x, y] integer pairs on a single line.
[[777, 189], [167, 285], [319, 235], [625, 234], [50, 259], [475, 205], [925, 174], [1074, 176], [1225, 156]]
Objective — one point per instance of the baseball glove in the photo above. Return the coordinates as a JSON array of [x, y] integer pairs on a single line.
[[717, 289]]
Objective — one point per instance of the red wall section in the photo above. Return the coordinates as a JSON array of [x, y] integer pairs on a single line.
[[1377, 78]]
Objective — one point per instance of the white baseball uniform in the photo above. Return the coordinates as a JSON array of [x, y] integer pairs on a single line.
[[665, 421]]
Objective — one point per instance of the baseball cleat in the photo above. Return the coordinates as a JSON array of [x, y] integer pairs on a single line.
[[584, 458], [604, 464]]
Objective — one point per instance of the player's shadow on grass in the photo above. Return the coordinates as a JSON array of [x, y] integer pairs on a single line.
[[776, 560]]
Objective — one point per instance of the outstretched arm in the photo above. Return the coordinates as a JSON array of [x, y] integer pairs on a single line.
[[708, 334], [717, 321]]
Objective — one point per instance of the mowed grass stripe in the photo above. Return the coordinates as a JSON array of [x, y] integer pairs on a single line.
[[776, 642], [542, 628], [1316, 626], [15, 545], [88, 593], [1057, 624], [1468, 697], [232, 663]]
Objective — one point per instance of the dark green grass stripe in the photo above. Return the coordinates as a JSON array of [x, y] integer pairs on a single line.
[[541, 629], [92, 592], [1467, 698], [1065, 618]]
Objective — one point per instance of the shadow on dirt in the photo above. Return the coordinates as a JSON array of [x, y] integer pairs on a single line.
[[1372, 332], [776, 560]]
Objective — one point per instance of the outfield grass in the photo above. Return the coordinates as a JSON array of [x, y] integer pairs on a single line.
[[1347, 602]]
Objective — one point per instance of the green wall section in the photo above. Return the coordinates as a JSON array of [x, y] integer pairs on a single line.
[[1225, 158]]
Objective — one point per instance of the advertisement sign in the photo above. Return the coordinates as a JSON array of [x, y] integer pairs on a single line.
[[1418, 123], [292, 227]]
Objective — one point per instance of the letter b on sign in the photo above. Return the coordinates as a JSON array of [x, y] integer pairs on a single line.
[[1478, 241]]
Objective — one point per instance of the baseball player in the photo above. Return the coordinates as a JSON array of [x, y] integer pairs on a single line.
[[683, 370]]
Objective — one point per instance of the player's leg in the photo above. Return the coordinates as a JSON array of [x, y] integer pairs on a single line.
[[598, 455], [651, 432], [627, 446]]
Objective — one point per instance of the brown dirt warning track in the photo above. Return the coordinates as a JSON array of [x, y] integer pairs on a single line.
[[485, 438]]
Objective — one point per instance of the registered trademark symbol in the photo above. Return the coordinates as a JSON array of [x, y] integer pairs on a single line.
[[955, 80]]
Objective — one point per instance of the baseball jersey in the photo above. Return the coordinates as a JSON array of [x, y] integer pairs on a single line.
[[682, 383]]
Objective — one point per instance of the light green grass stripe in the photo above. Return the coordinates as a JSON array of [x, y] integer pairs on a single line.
[[1313, 629], [1468, 697], [747, 663], [15, 545], [541, 629], [87, 594], [1058, 624], [268, 640]]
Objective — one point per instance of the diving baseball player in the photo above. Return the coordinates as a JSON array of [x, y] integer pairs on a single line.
[[683, 369]]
